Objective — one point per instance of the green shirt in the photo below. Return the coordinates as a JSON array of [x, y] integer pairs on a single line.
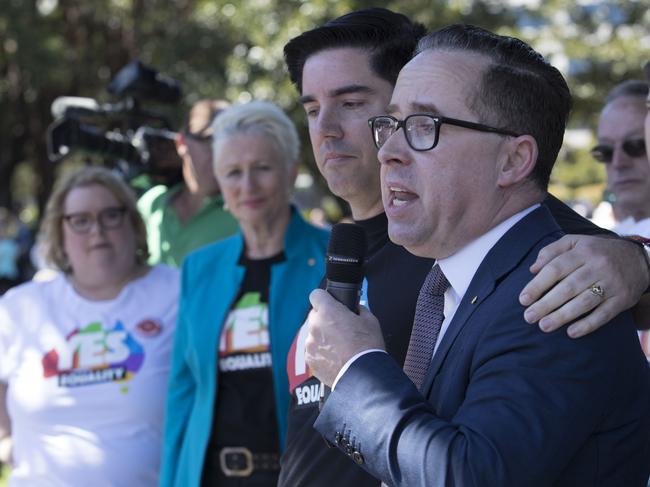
[[169, 240]]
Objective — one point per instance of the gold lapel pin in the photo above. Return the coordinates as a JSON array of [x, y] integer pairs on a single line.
[[474, 299]]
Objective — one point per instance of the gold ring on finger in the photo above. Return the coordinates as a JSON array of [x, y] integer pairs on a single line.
[[597, 290]]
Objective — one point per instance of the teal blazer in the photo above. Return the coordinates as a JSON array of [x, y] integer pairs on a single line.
[[211, 279]]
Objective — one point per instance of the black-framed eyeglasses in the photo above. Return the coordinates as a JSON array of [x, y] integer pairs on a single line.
[[632, 147], [108, 218], [422, 131]]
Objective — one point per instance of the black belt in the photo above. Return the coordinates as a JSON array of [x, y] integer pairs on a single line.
[[239, 461]]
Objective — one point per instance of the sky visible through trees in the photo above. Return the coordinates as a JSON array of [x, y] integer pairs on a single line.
[[233, 50]]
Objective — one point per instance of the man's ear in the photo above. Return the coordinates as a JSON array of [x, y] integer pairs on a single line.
[[181, 146], [517, 159]]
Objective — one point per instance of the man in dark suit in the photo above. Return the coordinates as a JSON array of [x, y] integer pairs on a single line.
[[499, 403]]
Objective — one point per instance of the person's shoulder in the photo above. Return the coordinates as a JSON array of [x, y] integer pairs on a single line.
[[229, 247], [164, 272], [35, 289], [215, 259], [21, 290], [505, 270], [502, 313], [153, 197], [159, 288], [318, 234], [511, 276], [571, 221], [306, 241]]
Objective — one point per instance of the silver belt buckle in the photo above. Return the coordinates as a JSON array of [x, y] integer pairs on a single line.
[[236, 450]]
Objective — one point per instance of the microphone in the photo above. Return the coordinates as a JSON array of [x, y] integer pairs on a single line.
[[346, 253]]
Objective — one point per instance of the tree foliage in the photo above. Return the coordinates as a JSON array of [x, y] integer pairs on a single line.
[[233, 49]]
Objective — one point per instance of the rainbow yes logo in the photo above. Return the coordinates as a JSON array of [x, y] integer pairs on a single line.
[[94, 355]]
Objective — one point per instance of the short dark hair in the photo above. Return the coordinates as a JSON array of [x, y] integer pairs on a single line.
[[390, 37], [518, 91], [630, 87]]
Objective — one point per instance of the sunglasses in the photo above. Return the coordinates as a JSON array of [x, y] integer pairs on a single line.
[[605, 152]]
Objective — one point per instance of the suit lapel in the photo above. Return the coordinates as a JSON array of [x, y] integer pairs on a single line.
[[507, 253]]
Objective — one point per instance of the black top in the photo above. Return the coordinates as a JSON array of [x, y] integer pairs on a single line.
[[394, 278], [244, 411]]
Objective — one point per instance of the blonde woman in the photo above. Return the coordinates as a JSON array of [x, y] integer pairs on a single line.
[[84, 357], [242, 302]]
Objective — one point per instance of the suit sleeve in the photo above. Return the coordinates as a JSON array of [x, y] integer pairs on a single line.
[[180, 397], [530, 402]]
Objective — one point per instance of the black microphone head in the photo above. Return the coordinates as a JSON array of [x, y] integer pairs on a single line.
[[346, 253]]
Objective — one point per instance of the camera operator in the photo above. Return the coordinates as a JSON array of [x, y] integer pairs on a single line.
[[190, 214]]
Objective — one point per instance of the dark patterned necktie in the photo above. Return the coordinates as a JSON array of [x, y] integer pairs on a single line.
[[429, 314]]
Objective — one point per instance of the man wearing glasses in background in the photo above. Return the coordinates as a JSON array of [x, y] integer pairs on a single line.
[[622, 148], [189, 215]]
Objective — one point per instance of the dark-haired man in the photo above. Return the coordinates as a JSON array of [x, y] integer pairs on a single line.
[[483, 398], [345, 71]]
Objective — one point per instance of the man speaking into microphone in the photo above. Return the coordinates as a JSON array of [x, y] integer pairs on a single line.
[[344, 72], [467, 145]]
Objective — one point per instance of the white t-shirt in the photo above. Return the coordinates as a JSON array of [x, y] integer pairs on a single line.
[[87, 380], [630, 226]]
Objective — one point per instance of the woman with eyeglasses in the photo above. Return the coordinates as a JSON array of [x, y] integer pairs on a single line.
[[84, 357], [242, 301]]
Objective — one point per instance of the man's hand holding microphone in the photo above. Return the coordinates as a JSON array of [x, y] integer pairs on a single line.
[[336, 332]]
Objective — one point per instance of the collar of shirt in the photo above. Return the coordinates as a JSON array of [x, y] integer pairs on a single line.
[[459, 268]]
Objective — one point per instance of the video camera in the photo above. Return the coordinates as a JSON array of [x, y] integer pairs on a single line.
[[135, 140]]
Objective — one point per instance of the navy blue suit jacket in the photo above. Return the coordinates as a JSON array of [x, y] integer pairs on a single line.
[[503, 404]]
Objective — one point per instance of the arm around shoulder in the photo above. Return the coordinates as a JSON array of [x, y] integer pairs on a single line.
[[567, 270], [520, 391]]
